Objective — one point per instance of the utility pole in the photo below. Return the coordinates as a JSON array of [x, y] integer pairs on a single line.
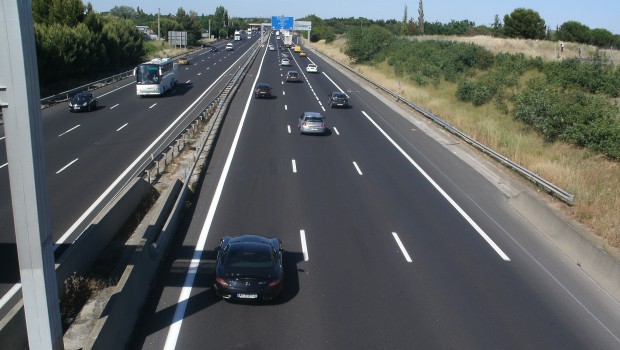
[[158, 25], [209, 29], [20, 99]]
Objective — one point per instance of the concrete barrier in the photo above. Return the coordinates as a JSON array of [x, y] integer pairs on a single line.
[[589, 253], [115, 324]]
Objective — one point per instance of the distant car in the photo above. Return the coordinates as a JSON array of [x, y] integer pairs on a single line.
[[292, 76], [311, 123], [271, 47], [82, 101], [230, 47], [214, 49], [338, 99], [262, 91], [303, 54], [249, 267], [184, 61], [285, 55], [312, 68], [277, 37], [285, 62]]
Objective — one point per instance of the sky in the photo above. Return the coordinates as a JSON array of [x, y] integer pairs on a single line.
[[603, 14]]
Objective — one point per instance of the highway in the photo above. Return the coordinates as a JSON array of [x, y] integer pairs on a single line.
[[85, 153], [392, 241]]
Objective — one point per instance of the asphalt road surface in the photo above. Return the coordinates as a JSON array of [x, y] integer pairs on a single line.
[[392, 241]]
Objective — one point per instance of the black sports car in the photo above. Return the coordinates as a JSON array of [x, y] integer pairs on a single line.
[[83, 101], [249, 267]]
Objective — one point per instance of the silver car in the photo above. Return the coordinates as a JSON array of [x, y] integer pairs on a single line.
[[285, 62], [311, 123]]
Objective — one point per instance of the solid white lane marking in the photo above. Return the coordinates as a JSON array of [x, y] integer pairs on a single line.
[[289, 128], [330, 79], [5, 299], [401, 246], [336, 131], [116, 105], [294, 166], [181, 306], [304, 246], [442, 192], [357, 168], [154, 104], [3, 165], [66, 132], [2, 138], [119, 129], [66, 166]]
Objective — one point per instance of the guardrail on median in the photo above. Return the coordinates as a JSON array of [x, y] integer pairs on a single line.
[[555, 190]]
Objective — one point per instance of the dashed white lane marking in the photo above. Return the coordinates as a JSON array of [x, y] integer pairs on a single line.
[[187, 82], [66, 166], [200, 73], [2, 138], [357, 168], [285, 107], [488, 239], [323, 108], [283, 93], [116, 105], [294, 166], [336, 131], [68, 131], [401, 246], [288, 127], [3, 165], [154, 104], [304, 246], [119, 129]]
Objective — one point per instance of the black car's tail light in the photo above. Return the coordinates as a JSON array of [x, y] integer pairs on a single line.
[[222, 281], [273, 283]]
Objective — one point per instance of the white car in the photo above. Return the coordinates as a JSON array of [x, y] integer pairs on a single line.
[[312, 68], [271, 47], [229, 47], [285, 62]]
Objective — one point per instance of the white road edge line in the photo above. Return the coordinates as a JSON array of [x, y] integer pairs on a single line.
[[304, 246], [357, 168], [2, 166], [294, 166], [179, 312], [442, 192], [401, 246], [2, 138], [66, 166], [68, 131]]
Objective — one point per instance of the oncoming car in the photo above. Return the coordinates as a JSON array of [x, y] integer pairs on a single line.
[[82, 101], [249, 267], [312, 68], [311, 123]]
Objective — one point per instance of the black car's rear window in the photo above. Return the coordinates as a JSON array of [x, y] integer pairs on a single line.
[[253, 255], [340, 95]]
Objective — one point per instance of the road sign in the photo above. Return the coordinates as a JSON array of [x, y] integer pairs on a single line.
[[302, 25], [281, 23]]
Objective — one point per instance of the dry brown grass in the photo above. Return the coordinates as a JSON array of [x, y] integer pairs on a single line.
[[594, 180], [548, 50]]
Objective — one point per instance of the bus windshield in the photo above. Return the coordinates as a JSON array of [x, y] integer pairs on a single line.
[[147, 74]]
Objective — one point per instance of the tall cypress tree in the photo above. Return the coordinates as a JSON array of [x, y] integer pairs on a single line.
[[421, 17]]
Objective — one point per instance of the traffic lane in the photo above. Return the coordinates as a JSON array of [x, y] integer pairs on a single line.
[[486, 204], [152, 330]]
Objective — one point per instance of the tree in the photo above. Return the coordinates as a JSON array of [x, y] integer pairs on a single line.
[[574, 31], [602, 37], [365, 42], [524, 23], [497, 27], [403, 30], [421, 17], [124, 12], [67, 12]]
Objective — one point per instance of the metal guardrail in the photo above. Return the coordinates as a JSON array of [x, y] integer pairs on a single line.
[[557, 191]]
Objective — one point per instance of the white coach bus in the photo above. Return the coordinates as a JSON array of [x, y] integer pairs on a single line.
[[155, 77]]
